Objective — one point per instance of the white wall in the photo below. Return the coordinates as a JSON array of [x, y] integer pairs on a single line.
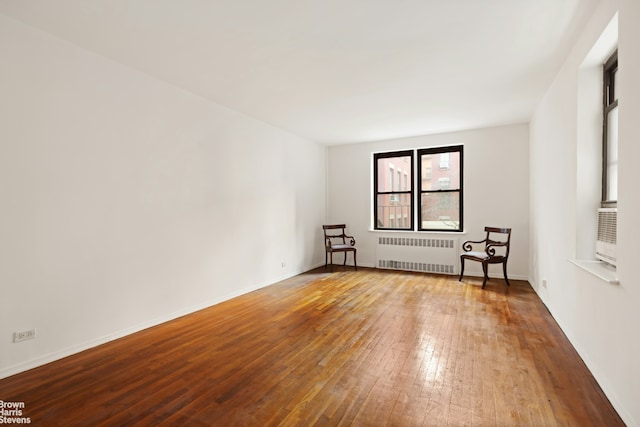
[[496, 189], [599, 318], [126, 201]]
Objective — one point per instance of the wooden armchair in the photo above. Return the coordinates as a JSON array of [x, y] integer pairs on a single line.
[[335, 240], [489, 254]]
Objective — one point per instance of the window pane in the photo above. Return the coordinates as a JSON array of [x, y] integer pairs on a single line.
[[391, 171], [440, 171], [612, 155], [394, 211], [444, 161], [440, 211], [393, 190]]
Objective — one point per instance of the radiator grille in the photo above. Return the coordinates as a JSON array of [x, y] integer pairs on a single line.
[[607, 225], [419, 242], [430, 255], [417, 266], [606, 246]]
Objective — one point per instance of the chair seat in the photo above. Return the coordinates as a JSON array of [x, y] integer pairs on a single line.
[[475, 254], [342, 248], [483, 257]]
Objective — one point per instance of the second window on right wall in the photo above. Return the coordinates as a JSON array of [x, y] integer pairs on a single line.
[[440, 189], [610, 133]]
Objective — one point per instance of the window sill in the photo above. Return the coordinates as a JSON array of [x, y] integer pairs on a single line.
[[371, 230], [599, 269], [415, 232]]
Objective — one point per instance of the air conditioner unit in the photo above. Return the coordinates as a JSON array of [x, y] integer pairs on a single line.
[[607, 235]]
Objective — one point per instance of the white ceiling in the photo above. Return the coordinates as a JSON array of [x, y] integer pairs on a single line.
[[334, 71]]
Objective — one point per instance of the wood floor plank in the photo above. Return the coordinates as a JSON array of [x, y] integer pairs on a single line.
[[366, 348]]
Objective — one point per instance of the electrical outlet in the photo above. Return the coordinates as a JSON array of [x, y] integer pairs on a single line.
[[24, 335], [544, 283], [284, 264]]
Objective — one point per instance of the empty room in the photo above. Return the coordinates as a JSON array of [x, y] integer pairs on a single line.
[[284, 213]]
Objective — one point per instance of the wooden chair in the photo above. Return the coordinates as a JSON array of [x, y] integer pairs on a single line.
[[488, 255], [335, 240]]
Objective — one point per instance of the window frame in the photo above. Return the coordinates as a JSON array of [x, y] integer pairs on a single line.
[[609, 103], [441, 150], [396, 193], [415, 194]]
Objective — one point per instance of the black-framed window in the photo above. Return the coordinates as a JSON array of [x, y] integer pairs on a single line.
[[610, 132], [393, 190], [440, 178], [437, 202]]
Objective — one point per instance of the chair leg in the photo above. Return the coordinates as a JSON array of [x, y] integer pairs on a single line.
[[485, 269], [461, 268], [504, 269], [331, 259], [345, 259], [325, 258], [355, 264]]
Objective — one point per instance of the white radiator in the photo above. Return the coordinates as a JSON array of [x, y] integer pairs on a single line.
[[418, 254]]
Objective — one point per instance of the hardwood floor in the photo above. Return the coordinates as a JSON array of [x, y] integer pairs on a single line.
[[365, 348]]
